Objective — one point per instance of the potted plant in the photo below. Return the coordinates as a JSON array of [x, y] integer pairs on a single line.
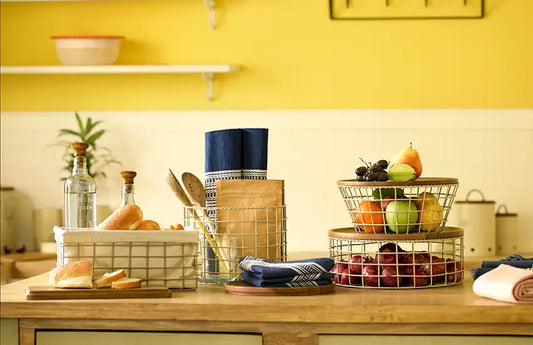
[[97, 157]]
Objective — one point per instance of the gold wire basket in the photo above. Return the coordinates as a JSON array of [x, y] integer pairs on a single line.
[[228, 233], [419, 206], [405, 261], [159, 258]]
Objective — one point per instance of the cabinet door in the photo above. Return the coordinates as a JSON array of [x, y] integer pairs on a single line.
[[9, 331], [144, 338], [423, 340]]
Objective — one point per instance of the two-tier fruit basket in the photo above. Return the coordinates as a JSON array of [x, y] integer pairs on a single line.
[[399, 237]]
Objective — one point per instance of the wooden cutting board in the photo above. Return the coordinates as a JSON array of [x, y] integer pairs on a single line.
[[50, 292], [240, 287]]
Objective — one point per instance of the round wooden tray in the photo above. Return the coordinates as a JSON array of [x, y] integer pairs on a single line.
[[422, 181], [240, 287], [351, 234]]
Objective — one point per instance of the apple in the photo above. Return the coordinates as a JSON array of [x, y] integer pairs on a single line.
[[389, 276], [356, 263], [370, 275], [344, 277], [454, 272], [338, 268], [401, 216], [408, 156], [436, 268]]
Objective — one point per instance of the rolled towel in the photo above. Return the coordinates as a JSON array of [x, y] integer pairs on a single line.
[[507, 284], [264, 269], [254, 153], [256, 280]]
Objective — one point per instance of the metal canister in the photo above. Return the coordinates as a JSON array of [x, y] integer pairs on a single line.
[[477, 219], [506, 231]]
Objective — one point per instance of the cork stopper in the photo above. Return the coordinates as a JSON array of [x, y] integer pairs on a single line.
[[79, 148], [128, 176]]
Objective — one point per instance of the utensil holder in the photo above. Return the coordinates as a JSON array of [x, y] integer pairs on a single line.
[[406, 261], [238, 231]]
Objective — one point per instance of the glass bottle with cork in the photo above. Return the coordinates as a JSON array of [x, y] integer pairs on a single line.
[[128, 188], [80, 193]]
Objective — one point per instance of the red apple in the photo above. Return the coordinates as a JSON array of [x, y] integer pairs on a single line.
[[338, 268], [344, 278], [389, 276], [454, 272], [436, 268], [370, 275], [356, 263], [383, 258]]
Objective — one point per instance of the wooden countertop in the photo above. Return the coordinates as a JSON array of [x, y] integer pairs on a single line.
[[455, 304]]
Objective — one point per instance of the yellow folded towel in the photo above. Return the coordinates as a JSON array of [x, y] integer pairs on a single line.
[[507, 284]]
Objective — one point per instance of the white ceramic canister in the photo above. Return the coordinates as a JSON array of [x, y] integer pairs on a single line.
[[506, 231], [7, 219], [477, 219]]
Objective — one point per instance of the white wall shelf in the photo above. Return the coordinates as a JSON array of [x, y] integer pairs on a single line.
[[207, 71]]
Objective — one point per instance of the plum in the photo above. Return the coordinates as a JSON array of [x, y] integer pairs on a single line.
[[370, 275], [418, 278], [387, 259], [454, 272], [389, 276]]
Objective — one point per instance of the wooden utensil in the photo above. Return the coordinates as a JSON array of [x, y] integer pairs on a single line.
[[50, 292], [180, 193], [196, 192]]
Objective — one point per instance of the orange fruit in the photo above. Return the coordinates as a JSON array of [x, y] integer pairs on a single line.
[[369, 217]]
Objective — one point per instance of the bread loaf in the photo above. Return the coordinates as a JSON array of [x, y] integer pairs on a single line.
[[75, 274], [126, 283], [108, 278], [149, 224], [127, 217]]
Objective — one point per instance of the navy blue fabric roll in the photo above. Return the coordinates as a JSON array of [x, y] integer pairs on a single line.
[[254, 153], [256, 280], [273, 282], [264, 269]]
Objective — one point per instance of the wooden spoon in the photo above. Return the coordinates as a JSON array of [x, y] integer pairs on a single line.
[[180, 193]]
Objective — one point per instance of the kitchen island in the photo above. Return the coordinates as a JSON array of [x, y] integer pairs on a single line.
[[212, 316]]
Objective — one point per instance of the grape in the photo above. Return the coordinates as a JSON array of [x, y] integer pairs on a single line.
[[360, 171], [360, 178], [376, 168], [383, 176], [372, 176], [383, 163]]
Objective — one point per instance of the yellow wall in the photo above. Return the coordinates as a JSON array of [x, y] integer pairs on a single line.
[[292, 54]]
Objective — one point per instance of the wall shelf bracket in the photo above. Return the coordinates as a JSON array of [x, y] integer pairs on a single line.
[[209, 78], [210, 4]]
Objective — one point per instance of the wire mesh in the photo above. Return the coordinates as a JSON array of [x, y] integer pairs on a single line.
[[237, 232], [397, 264], [398, 208]]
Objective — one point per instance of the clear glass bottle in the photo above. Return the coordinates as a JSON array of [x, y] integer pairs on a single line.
[[128, 188], [80, 192]]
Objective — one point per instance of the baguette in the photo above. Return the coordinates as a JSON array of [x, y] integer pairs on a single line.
[[149, 224], [126, 283], [127, 217], [74, 274], [108, 278]]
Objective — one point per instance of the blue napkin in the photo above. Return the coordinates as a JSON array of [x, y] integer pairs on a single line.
[[254, 153], [256, 280], [264, 269], [515, 260]]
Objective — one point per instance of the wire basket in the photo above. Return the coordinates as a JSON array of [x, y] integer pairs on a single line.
[[419, 206], [229, 233], [406, 261], [159, 258]]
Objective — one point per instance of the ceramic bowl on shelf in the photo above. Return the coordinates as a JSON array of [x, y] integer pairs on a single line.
[[87, 50]]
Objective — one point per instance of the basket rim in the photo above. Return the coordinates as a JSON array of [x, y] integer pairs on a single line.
[[418, 182], [349, 233]]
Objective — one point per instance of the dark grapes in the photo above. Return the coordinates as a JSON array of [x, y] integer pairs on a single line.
[[383, 163], [372, 176], [360, 178], [360, 171], [383, 176], [376, 168]]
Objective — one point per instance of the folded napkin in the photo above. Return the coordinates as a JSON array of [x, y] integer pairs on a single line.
[[304, 279], [507, 284], [265, 270]]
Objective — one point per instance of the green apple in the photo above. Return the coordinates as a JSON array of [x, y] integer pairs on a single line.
[[401, 215]]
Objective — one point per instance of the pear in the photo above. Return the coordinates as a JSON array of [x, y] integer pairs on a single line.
[[408, 156], [430, 211], [401, 173]]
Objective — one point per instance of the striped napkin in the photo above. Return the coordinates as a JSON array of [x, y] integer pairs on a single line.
[[309, 272]]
